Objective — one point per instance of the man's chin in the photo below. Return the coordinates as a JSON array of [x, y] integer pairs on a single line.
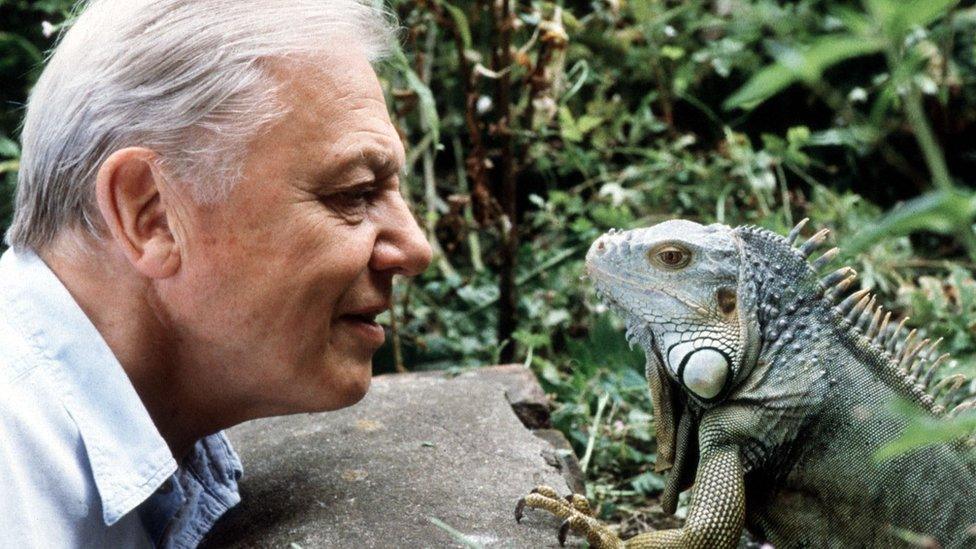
[[348, 386], [357, 391]]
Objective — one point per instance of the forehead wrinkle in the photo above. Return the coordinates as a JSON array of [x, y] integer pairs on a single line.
[[382, 156]]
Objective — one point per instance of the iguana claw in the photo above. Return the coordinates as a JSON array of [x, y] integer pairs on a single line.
[[563, 530], [575, 512]]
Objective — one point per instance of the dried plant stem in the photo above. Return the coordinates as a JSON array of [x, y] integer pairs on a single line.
[[395, 337], [508, 221], [432, 200], [474, 243]]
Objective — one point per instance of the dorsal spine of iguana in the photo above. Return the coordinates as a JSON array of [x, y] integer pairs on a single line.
[[907, 360]]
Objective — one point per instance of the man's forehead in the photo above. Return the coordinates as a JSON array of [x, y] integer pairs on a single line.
[[332, 74], [380, 152], [337, 106]]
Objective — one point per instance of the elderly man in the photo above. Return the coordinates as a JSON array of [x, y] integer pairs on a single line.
[[208, 221]]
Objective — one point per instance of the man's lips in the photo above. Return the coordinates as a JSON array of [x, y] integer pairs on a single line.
[[366, 314], [363, 321], [367, 318]]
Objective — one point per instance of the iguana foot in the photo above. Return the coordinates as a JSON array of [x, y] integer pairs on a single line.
[[577, 515]]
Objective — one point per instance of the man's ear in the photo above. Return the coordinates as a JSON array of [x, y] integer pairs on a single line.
[[127, 188]]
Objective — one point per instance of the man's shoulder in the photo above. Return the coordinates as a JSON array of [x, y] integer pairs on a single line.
[[18, 359], [37, 430], [31, 411], [50, 497], [43, 467]]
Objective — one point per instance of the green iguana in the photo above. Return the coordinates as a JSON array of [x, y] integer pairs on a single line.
[[772, 392]]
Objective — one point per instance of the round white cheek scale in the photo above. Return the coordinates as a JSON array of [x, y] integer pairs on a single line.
[[705, 372]]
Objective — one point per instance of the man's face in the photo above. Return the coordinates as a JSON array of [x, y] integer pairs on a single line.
[[279, 284]]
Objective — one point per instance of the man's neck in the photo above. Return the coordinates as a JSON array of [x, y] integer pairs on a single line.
[[120, 304]]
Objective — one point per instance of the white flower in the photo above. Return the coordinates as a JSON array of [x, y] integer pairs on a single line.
[[926, 84], [483, 104], [47, 29]]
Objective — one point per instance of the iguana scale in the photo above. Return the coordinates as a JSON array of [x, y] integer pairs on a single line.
[[772, 393]]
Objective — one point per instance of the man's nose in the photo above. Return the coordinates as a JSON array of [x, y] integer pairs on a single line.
[[401, 245]]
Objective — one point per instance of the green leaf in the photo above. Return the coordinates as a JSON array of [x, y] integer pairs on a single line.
[[587, 123], [793, 66], [798, 135], [460, 22], [568, 128], [856, 137], [25, 45], [897, 17], [855, 20], [9, 147], [923, 431], [944, 212], [648, 482], [672, 52], [428, 106], [9, 166]]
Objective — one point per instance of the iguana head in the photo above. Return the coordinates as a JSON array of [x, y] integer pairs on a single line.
[[683, 293], [678, 285]]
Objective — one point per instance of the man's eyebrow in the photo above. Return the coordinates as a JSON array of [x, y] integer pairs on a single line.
[[382, 161], [357, 166]]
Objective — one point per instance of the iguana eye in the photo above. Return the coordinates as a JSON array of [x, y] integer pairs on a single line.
[[670, 257]]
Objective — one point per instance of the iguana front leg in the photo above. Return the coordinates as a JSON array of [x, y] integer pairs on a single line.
[[715, 519], [718, 507]]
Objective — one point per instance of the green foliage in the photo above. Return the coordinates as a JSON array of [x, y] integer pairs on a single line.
[[604, 408], [945, 212], [895, 28], [806, 65], [26, 30], [924, 430]]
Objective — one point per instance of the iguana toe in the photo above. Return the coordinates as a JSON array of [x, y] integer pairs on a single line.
[[576, 513]]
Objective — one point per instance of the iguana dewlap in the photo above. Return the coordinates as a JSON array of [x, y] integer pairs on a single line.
[[772, 392]]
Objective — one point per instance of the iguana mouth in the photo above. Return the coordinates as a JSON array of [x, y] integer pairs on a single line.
[[602, 276]]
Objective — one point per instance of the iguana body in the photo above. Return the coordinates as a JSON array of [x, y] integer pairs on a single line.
[[772, 394]]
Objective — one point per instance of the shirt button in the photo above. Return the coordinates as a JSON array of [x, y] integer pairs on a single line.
[[166, 487]]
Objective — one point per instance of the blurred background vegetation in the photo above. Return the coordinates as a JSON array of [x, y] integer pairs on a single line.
[[533, 126]]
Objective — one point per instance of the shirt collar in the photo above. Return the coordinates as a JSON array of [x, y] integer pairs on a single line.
[[129, 458]]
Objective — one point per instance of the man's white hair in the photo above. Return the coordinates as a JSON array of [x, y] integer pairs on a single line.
[[186, 78]]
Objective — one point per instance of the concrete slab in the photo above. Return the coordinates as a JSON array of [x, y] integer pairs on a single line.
[[417, 449]]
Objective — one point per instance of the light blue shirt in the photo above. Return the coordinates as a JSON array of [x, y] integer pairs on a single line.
[[81, 462]]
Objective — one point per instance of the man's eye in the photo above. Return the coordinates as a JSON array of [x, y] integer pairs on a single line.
[[356, 198], [351, 202]]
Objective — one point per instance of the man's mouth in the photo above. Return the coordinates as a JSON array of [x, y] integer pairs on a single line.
[[367, 318], [366, 314], [363, 321]]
